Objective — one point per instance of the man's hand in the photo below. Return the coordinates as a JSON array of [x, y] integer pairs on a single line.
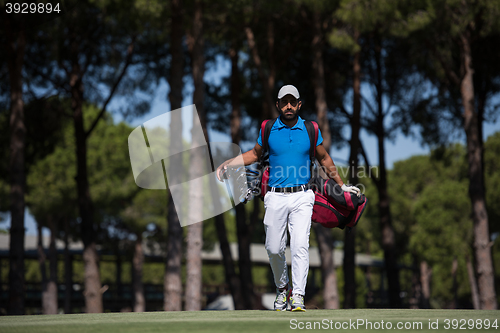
[[351, 189], [247, 158], [221, 170]]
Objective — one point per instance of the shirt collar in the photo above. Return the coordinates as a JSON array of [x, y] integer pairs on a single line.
[[298, 125]]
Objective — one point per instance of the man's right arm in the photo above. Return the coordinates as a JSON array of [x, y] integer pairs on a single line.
[[249, 157]]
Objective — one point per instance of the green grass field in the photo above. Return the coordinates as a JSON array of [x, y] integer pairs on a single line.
[[257, 321]]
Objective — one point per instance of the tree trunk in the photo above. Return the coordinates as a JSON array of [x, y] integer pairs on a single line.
[[194, 267], [271, 77], [244, 232], [172, 300], [92, 281], [319, 82], [49, 285], [368, 279], [323, 236], [454, 287], [172, 282], [15, 46], [388, 237], [52, 295], [231, 277], [387, 231], [235, 120], [328, 274], [482, 245], [269, 107], [473, 285], [244, 262], [68, 270], [425, 276], [42, 259], [416, 286], [137, 264], [195, 231], [350, 237], [118, 273]]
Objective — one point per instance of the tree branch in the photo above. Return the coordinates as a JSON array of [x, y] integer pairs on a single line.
[[63, 66], [372, 110], [450, 74], [90, 50], [130, 50], [272, 112], [344, 111]]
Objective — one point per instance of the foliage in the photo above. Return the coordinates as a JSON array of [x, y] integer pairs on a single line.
[[443, 226], [431, 211], [361, 286]]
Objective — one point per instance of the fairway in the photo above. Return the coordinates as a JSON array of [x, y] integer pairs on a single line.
[[257, 321]]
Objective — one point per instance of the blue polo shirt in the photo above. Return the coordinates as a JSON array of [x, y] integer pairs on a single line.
[[289, 160]]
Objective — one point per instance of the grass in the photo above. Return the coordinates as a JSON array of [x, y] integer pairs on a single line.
[[250, 321]]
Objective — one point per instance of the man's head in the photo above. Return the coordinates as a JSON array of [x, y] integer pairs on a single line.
[[288, 102]]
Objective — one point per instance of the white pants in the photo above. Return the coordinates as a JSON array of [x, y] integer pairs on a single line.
[[294, 210]]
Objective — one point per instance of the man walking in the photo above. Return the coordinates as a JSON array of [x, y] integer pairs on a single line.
[[289, 203]]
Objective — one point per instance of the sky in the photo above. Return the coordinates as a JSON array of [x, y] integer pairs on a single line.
[[401, 149]]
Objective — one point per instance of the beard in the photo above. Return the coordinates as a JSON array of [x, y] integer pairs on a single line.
[[289, 114]]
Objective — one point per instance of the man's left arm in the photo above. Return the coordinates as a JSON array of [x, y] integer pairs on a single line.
[[331, 170], [329, 167]]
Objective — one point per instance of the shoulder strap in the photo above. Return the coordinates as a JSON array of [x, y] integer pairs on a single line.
[[265, 129], [312, 131], [316, 133]]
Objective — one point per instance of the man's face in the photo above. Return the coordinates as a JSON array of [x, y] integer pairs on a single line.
[[289, 107]]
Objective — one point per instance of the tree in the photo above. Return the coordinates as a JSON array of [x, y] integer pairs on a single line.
[[462, 26], [407, 180], [238, 286], [113, 189], [267, 77], [43, 129], [52, 197], [373, 36], [432, 218], [147, 209], [15, 44], [324, 237], [442, 230], [195, 231], [172, 282], [81, 52], [49, 286], [354, 118]]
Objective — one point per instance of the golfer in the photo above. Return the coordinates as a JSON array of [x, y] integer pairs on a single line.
[[289, 203]]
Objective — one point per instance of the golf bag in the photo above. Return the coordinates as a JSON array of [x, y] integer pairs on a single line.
[[333, 208]]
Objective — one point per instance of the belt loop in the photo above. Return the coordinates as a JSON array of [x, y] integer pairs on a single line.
[[273, 189], [303, 187]]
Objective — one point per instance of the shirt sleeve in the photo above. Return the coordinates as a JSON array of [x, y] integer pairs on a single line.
[[320, 138], [259, 139]]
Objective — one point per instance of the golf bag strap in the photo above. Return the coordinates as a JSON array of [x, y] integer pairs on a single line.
[[312, 131], [265, 131]]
